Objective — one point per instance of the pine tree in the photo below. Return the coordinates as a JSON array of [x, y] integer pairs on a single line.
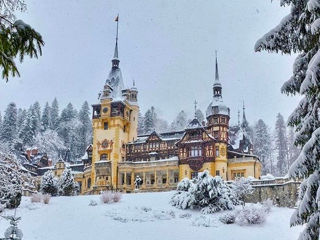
[[293, 150], [55, 114], [199, 115], [262, 145], [66, 184], [49, 183], [180, 122], [148, 122], [46, 122], [84, 130], [281, 145], [27, 130], [68, 124], [141, 126], [298, 32], [9, 126], [17, 40]]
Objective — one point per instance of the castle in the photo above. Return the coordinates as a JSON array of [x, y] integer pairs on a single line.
[[117, 156]]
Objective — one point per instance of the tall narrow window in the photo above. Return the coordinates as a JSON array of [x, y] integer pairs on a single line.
[[105, 125], [217, 151]]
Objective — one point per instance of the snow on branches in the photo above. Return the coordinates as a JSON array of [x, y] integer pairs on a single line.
[[210, 194]]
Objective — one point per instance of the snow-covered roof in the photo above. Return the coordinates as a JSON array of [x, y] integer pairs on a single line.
[[217, 107], [194, 124]]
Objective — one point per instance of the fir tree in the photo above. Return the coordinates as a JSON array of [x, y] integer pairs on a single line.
[[180, 122], [84, 130], [141, 126], [49, 183], [148, 122], [262, 145], [54, 114], [298, 32], [293, 150], [27, 130], [46, 122], [281, 145], [199, 115], [9, 126], [17, 40], [66, 184]]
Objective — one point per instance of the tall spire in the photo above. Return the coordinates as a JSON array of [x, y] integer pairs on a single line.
[[238, 117], [217, 70], [217, 88], [244, 123], [195, 108], [115, 61]]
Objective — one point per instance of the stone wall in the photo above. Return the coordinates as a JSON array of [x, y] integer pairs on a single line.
[[283, 194]]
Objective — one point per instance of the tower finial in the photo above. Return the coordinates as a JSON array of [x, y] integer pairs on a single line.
[[134, 83], [195, 107], [115, 60], [217, 70]]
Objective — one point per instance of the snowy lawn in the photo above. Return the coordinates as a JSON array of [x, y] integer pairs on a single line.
[[137, 216]]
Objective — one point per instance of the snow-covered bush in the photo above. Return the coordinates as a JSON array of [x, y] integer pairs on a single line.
[[36, 198], [185, 215], [93, 203], [1, 208], [203, 221], [251, 214], [116, 197], [46, 198], [106, 197], [210, 194], [11, 181], [242, 187], [267, 177], [66, 184], [267, 204], [49, 184], [228, 218]]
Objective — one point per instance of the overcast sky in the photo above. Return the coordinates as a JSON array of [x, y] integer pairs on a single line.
[[166, 46]]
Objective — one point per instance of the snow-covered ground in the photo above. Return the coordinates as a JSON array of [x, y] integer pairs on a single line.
[[137, 216]]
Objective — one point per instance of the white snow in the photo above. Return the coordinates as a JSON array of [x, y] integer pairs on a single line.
[[140, 216]]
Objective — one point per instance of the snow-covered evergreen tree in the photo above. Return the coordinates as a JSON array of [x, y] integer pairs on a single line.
[[67, 130], [46, 122], [148, 122], [299, 32], [141, 127], [50, 143], [11, 181], [66, 184], [28, 128], [36, 111], [49, 183], [293, 150], [84, 131], [20, 118], [180, 122], [55, 114], [281, 145], [210, 194], [9, 126], [199, 115], [262, 145]]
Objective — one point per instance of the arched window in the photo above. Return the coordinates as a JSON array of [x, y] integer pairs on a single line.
[[89, 183], [104, 157]]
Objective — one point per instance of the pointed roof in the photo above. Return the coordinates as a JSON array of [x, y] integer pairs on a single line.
[[244, 123], [194, 124], [216, 79]]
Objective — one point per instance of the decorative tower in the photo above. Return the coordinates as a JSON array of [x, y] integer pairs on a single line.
[[218, 115], [115, 123]]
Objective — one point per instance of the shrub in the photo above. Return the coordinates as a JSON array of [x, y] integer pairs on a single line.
[[267, 204], [116, 197], [228, 218], [66, 184], [93, 203], [211, 194], [49, 184], [46, 198], [106, 197], [254, 214], [36, 198]]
